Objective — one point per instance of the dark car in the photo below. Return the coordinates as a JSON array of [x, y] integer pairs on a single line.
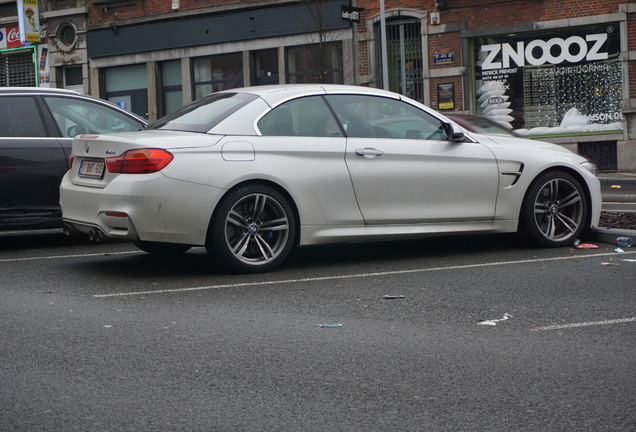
[[479, 124], [37, 126]]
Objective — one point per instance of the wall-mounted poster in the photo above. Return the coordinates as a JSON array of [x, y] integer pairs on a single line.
[[446, 96]]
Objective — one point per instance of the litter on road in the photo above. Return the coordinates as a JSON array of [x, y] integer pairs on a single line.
[[586, 246], [494, 322], [624, 242]]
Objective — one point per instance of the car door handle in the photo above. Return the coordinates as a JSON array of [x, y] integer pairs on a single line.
[[369, 152]]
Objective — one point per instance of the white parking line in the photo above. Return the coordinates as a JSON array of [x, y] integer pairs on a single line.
[[352, 276], [586, 324]]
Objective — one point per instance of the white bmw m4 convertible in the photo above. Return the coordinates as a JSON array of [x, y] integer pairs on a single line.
[[251, 173]]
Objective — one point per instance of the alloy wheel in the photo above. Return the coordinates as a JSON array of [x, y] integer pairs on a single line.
[[257, 229], [559, 209]]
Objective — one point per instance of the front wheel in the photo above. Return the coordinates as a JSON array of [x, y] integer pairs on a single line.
[[253, 230], [554, 210]]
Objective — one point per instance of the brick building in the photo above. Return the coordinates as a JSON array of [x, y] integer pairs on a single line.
[[556, 70]]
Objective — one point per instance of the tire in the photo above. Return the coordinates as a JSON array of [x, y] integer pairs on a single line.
[[554, 210], [253, 230], [164, 249]]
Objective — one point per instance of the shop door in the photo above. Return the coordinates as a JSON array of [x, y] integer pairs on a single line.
[[404, 54]]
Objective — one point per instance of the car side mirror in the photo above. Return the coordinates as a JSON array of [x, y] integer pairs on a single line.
[[454, 132]]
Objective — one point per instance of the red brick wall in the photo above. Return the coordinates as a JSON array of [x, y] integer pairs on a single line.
[[439, 43], [372, 7], [100, 14], [364, 68], [492, 13]]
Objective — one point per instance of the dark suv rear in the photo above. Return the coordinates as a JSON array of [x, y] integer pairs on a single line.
[[37, 126]]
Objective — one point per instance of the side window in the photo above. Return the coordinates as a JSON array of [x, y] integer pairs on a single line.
[[309, 116], [20, 117], [76, 116], [378, 117]]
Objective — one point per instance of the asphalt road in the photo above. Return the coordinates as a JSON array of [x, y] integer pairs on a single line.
[[100, 337]]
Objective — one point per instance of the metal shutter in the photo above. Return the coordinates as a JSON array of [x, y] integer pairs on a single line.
[[17, 68]]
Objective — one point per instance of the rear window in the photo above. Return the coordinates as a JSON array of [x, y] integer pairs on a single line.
[[205, 113], [78, 116]]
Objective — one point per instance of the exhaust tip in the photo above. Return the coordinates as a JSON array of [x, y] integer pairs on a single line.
[[94, 235], [70, 230]]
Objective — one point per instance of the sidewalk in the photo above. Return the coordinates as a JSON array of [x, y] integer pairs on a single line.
[[619, 195]]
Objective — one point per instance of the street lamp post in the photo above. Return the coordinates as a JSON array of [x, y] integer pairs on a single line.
[[385, 61]]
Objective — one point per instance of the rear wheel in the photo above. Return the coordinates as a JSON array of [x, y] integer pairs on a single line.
[[253, 229], [157, 248], [554, 210]]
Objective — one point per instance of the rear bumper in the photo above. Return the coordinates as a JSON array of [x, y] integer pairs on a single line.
[[150, 208]]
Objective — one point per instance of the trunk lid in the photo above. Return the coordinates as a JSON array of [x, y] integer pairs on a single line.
[[91, 151]]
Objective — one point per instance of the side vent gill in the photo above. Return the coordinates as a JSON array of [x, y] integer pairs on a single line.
[[516, 174]]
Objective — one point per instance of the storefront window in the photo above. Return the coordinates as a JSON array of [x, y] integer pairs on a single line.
[[265, 67], [562, 81], [127, 86], [315, 63], [171, 86], [212, 74], [73, 76]]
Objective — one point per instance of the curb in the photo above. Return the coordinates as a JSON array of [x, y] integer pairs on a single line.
[[619, 198], [608, 181], [609, 235]]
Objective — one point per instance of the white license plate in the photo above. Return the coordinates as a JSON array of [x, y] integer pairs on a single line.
[[91, 169]]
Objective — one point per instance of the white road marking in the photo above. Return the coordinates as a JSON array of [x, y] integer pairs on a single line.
[[69, 256], [350, 276], [586, 324]]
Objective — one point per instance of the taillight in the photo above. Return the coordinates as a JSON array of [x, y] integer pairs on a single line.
[[71, 158], [143, 161]]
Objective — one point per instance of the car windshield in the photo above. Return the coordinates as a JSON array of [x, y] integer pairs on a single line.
[[205, 113]]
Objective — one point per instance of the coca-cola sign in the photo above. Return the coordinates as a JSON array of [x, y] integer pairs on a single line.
[[10, 37], [13, 37]]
